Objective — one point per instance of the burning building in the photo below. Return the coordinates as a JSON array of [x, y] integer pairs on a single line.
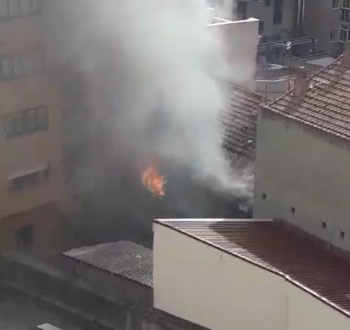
[[126, 144]]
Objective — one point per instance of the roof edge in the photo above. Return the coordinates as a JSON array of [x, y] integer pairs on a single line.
[[280, 274]]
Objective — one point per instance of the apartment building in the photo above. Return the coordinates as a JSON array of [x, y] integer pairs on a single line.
[[31, 180], [277, 17]]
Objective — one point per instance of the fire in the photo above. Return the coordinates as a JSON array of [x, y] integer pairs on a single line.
[[153, 181]]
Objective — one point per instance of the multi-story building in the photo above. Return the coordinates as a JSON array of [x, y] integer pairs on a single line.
[[333, 33], [31, 181], [277, 18]]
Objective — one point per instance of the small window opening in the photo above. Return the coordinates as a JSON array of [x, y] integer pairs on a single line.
[[25, 236], [263, 196], [324, 225], [292, 209], [342, 234]]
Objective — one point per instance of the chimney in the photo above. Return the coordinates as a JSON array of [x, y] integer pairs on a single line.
[[345, 61], [301, 84]]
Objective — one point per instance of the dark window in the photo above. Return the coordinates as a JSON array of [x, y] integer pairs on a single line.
[[324, 225], [263, 196], [267, 3], [342, 234], [26, 121], [25, 236], [261, 26], [21, 65], [242, 10], [335, 3], [277, 12], [292, 209], [345, 15]]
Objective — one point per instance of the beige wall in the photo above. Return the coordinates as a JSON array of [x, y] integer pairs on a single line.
[[208, 287], [203, 285], [298, 167], [21, 36]]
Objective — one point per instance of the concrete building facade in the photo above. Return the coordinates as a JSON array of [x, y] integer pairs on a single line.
[[30, 144], [277, 18]]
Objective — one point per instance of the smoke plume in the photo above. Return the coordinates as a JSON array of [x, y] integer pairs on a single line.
[[153, 70]]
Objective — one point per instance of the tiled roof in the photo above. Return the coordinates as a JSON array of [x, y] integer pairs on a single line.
[[239, 121], [272, 245], [239, 124], [126, 259], [326, 104]]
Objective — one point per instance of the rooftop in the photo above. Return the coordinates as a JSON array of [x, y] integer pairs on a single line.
[[239, 121], [281, 249], [326, 104], [126, 259]]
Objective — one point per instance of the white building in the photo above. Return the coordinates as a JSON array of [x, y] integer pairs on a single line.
[[303, 155], [240, 41], [248, 274]]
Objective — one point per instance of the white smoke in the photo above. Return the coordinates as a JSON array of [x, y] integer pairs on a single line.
[[136, 52]]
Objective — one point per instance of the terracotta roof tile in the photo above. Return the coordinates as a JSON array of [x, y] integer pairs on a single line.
[[239, 121], [239, 125], [272, 245], [126, 259], [325, 106]]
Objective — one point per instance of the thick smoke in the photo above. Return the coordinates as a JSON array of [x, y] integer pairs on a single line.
[[153, 69]]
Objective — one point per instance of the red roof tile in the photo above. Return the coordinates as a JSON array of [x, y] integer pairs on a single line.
[[239, 121], [326, 104], [272, 245], [239, 124]]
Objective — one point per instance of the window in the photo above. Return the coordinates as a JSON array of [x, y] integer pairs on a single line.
[[22, 65], [25, 122], [277, 12], [20, 8], [344, 33], [342, 234], [27, 179], [267, 3], [335, 4], [345, 4], [324, 225], [261, 26], [25, 236], [263, 196], [333, 34], [242, 10], [345, 15], [292, 209]]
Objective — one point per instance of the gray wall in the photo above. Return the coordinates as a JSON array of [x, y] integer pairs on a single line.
[[319, 20], [299, 167], [257, 9]]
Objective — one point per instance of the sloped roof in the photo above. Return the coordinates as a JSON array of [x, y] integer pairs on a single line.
[[326, 104], [239, 122], [279, 248], [126, 259]]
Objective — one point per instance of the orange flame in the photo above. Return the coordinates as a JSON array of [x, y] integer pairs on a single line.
[[153, 181]]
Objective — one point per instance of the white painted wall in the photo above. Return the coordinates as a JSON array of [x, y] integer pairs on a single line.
[[203, 285], [240, 41], [296, 167], [208, 287]]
